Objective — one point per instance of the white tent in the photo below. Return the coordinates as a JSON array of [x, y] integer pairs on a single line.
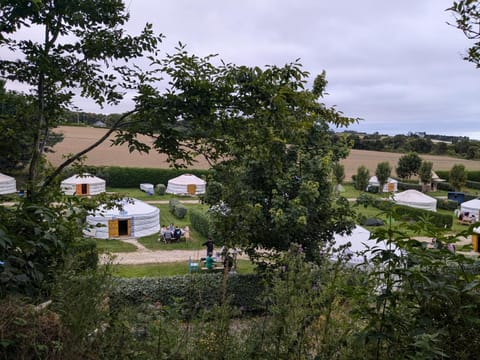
[[390, 186], [472, 207], [84, 184], [361, 247], [186, 184], [8, 185], [136, 219], [416, 199]]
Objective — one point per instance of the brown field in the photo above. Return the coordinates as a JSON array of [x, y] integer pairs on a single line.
[[78, 138]]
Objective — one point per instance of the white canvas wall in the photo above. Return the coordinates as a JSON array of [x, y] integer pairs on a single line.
[[8, 185]]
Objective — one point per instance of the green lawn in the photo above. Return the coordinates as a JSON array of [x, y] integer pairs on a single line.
[[167, 269], [114, 246]]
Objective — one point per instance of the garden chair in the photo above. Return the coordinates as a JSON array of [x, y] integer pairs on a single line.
[[192, 266]]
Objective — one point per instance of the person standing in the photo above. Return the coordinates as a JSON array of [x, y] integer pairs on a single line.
[[209, 245]]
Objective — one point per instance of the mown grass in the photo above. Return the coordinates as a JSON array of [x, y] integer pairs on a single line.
[[167, 269], [114, 246]]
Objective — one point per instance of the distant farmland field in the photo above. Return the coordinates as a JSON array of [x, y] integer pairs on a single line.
[[78, 138]]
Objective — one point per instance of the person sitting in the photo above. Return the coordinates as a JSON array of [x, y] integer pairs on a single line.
[[177, 234], [209, 262], [167, 237]]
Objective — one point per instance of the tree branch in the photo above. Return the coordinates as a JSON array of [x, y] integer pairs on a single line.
[[77, 156]]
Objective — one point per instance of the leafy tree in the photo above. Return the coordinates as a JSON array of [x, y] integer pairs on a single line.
[[467, 18], [383, 173], [408, 165], [362, 177], [425, 174], [339, 175], [457, 176], [276, 182], [80, 39]]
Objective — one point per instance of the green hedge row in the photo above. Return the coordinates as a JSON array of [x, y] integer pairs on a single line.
[[409, 186], [471, 175], [124, 177], [200, 222], [446, 204], [472, 184], [193, 292]]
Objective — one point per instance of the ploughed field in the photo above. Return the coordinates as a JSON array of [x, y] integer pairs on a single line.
[[78, 138]]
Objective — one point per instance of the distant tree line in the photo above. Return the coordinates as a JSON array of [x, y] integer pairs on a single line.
[[458, 146]]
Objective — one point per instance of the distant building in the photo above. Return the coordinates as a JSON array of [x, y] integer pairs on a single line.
[[99, 123]]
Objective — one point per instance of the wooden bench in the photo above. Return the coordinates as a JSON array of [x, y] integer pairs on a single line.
[[466, 222]]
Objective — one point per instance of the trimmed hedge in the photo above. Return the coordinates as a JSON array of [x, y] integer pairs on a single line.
[[473, 184], [409, 186], [177, 209], [446, 204], [160, 189], [443, 174], [200, 222], [473, 176], [193, 292], [445, 186], [124, 177]]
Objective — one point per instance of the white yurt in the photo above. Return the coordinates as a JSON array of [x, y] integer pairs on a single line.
[[390, 186], [136, 219], [84, 184], [8, 185], [416, 199], [361, 247], [471, 207], [186, 184]]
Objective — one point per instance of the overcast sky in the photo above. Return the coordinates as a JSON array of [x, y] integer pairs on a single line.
[[395, 64]]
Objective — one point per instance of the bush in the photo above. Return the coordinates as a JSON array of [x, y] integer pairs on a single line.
[[180, 211], [213, 192], [160, 189], [177, 209], [443, 174], [200, 222], [194, 292], [85, 253]]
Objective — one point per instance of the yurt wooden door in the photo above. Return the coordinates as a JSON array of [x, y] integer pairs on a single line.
[[191, 189], [122, 227], [391, 187], [82, 189]]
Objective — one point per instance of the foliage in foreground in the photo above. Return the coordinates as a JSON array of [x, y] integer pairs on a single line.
[[418, 302]]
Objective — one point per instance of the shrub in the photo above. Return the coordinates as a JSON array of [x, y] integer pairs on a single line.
[[413, 214], [85, 253], [180, 211], [443, 174], [194, 292], [177, 209], [473, 176], [213, 192], [200, 222], [160, 189]]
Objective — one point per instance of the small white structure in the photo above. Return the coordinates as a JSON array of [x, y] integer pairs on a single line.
[[84, 184], [136, 219], [361, 248], [8, 185], [390, 186], [471, 208], [416, 199], [146, 187], [186, 184]]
